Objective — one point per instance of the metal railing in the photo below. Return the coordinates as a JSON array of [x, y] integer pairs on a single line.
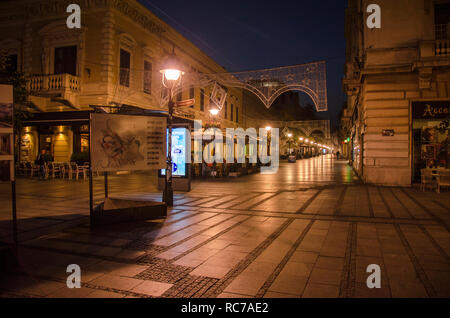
[[441, 32]]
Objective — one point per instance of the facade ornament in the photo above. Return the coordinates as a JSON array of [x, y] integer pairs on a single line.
[[269, 84], [425, 75], [127, 41]]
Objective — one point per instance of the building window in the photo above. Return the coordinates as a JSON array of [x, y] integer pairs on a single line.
[[231, 112], [237, 114], [147, 77], [66, 60], [192, 94], [84, 142], [179, 95], [226, 110], [442, 21], [164, 92], [11, 63], [202, 100], [430, 147], [125, 65]]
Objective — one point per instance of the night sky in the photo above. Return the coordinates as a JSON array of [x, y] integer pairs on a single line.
[[255, 34]]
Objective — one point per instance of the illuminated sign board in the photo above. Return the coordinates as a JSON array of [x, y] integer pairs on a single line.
[[431, 110], [127, 143], [179, 152]]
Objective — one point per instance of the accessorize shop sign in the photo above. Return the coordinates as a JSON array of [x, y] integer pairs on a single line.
[[431, 110], [120, 142]]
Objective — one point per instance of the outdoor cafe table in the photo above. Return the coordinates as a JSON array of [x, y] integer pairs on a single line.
[[436, 171]]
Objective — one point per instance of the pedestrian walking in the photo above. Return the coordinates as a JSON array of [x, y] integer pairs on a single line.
[[40, 161]]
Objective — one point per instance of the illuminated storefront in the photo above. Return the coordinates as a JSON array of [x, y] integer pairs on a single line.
[[430, 142], [62, 134]]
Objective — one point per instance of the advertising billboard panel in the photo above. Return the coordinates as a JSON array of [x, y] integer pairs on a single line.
[[120, 142]]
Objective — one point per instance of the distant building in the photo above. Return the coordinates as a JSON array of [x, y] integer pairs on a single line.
[[343, 134], [397, 79]]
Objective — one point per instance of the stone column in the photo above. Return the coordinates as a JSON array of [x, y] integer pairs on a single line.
[[107, 51], [28, 50]]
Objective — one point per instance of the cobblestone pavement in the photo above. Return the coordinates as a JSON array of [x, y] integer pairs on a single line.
[[309, 231]]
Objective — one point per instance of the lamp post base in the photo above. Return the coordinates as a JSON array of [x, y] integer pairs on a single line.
[[168, 197]]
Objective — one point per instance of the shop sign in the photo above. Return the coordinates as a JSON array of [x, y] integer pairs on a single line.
[[388, 132], [431, 110]]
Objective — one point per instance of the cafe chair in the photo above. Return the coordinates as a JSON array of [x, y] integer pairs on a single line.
[[65, 170], [34, 169], [443, 180], [76, 170], [427, 179], [22, 169], [53, 170]]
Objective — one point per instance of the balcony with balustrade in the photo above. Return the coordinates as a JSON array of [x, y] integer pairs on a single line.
[[54, 91], [439, 48]]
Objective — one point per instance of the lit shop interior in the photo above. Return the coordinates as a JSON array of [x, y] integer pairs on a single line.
[[430, 137]]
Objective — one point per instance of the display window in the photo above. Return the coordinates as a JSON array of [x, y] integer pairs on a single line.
[[430, 135]]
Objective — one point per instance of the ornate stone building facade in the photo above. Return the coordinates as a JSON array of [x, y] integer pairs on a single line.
[[113, 60], [392, 75]]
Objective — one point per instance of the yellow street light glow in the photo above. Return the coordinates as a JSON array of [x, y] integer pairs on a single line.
[[171, 74], [289, 135], [307, 140], [214, 111], [301, 138], [268, 128]]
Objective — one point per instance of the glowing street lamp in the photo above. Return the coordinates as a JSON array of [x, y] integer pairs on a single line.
[[268, 128], [214, 111], [171, 76], [171, 72]]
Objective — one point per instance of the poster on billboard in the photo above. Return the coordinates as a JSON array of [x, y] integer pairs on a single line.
[[6, 133], [127, 143]]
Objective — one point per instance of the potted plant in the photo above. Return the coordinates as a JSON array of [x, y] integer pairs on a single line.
[[80, 157]]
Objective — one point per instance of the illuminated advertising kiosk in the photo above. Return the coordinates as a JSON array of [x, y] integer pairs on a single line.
[[181, 152]]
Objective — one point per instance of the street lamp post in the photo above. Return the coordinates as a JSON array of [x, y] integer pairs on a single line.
[[301, 147], [269, 136], [289, 143], [171, 76]]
